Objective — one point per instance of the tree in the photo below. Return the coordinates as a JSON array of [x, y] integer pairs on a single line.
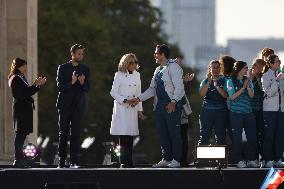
[[108, 29]]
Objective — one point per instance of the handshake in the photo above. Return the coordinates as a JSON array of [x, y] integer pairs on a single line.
[[132, 102]]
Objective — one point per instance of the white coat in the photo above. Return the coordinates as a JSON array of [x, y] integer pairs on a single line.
[[124, 117]]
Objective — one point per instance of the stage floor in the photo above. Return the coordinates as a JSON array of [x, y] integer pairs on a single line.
[[131, 178]]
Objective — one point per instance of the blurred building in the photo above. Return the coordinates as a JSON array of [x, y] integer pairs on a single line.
[[203, 55], [189, 24], [248, 49]]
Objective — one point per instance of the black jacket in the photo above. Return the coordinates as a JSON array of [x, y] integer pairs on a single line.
[[69, 94], [23, 103]]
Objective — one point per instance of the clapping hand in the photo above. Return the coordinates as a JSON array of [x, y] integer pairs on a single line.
[[250, 74], [245, 85], [36, 82], [81, 79], [215, 80], [40, 81], [74, 77], [188, 77]]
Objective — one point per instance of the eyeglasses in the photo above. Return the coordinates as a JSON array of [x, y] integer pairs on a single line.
[[278, 61]]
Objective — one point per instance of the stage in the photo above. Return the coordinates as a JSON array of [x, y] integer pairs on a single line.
[[131, 178]]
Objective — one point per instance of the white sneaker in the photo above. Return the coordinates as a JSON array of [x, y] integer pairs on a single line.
[[253, 164], [174, 164], [74, 166], [241, 164], [279, 164], [262, 164], [162, 163], [269, 164]]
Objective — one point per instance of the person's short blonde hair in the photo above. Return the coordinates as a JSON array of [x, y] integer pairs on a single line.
[[127, 59]]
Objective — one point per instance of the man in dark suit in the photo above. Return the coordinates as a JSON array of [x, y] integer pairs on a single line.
[[72, 83]]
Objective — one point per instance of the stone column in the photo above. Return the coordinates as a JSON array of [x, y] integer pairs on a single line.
[[18, 38]]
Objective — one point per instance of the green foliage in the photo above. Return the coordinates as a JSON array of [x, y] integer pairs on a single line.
[[108, 29]]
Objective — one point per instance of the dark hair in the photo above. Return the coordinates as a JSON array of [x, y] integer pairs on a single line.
[[258, 61], [16, 63], [238, 66], [270, 60], [227, 64], [210, 65], [75, 47], [164, 49], [266, 52]]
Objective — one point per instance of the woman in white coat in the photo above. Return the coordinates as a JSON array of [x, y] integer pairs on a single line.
[[124, 125]]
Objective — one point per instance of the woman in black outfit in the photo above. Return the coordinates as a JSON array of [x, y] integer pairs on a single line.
[[23, 105]]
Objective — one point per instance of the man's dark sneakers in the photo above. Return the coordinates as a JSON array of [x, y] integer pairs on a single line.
[[61, 163], [20, 164]]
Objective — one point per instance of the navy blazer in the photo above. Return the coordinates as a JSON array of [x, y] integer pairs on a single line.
[[67, 93]]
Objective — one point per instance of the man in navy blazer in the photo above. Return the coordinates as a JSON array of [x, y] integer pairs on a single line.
[[73, 80]]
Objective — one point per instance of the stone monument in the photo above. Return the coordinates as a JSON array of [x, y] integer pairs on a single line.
[[18, 38]]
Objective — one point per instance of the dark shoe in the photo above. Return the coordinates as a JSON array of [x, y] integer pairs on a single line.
[[61, 163], [115, 165], [126, 166], [184, 164], [20, 164]]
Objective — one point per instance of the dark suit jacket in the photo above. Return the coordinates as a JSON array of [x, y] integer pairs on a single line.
[[68, 94], [23, 103]]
